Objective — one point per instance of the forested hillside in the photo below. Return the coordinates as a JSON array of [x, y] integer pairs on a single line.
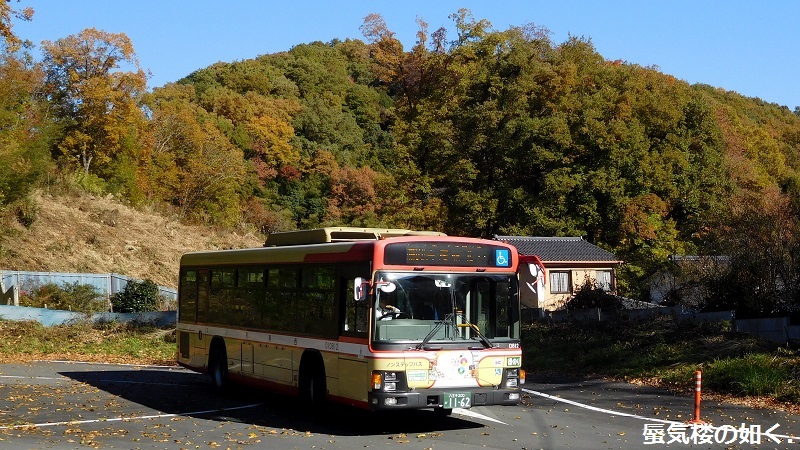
[[482, 133]]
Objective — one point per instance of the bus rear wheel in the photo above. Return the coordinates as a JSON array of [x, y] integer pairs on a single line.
[[218, 367], [312, 384]]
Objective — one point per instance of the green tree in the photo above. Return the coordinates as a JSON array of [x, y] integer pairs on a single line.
[[137, 296]]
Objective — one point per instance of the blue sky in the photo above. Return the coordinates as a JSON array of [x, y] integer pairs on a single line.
[[751, 47]]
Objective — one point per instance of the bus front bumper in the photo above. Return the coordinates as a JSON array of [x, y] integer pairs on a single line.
[[433, 398]]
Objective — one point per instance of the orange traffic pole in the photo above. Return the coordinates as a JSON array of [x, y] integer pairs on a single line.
[[698, 384]]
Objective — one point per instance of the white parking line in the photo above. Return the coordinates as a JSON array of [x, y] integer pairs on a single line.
[[633, 416], [33, 378], [473, 414], [153, 366], [98, 380], [594, 408], [125, 419]]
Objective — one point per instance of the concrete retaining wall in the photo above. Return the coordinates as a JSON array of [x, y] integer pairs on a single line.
[[53, 317]]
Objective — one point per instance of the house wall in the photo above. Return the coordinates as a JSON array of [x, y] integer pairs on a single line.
[[577, 277]]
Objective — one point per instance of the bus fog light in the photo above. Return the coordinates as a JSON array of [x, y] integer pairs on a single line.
[[513, 396], [390, 401]]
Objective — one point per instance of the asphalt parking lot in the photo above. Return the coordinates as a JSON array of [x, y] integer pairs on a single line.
[[64, 405], [68, 405]]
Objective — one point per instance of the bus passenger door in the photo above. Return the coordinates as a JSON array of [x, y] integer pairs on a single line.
[[354, 370], [199, 340]]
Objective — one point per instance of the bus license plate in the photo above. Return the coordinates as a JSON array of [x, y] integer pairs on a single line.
[[457, 400]]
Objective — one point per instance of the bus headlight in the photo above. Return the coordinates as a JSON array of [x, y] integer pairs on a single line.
[[514, 377]]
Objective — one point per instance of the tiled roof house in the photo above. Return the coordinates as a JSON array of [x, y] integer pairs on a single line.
[[569, 262]]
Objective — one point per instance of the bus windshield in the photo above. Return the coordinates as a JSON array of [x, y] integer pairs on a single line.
[[435, 309]]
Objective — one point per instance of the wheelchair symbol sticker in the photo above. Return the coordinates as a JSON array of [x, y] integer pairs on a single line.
[[501, 258]]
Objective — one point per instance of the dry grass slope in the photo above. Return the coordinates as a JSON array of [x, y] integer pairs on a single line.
[[93, 234]]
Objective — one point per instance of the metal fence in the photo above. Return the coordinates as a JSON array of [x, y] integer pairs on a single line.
[[106, 284]]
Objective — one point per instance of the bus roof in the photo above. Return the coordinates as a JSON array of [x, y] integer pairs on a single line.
[[337, 234]]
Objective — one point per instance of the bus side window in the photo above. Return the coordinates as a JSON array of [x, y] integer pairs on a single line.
[[318, 312], [269, 309], [283, 296], [188, 299], [223, 282], [203, 284], [249, 292]]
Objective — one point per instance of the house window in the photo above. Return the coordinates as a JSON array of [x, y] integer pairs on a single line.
[[559, 283], [604, 280]]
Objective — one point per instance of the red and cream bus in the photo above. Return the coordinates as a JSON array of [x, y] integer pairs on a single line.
[[374, 318]]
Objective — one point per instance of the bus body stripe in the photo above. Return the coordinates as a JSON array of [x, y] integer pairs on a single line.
[[344, 348], [360, 350]]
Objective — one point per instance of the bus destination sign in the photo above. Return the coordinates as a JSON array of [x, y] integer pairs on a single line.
[[447, 254]]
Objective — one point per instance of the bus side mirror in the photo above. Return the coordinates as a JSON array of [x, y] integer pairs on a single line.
[[360, 289]]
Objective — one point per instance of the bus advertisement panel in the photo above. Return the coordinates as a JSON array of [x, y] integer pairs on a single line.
[[407, 321]]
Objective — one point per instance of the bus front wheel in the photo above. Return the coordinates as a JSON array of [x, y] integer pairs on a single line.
[[442, 412]]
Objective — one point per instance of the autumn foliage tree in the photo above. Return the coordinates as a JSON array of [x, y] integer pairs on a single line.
[[486, 132], [94, 96], [192, 165], [10, 41], [24, 127]]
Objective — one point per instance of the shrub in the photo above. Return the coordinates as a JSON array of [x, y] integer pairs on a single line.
[[26, 211], [90, 183], [69, 297], [138, 296], [590, 295]]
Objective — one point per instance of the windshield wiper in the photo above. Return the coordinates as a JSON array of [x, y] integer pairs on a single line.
[[449, 320], [423, 345]]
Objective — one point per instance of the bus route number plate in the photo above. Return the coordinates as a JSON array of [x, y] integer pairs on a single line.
[[457, 400]]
